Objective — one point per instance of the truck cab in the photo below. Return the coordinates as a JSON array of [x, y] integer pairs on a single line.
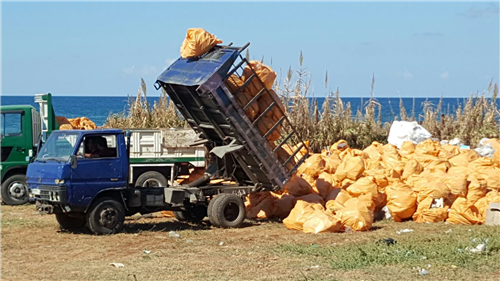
[[20, 136]]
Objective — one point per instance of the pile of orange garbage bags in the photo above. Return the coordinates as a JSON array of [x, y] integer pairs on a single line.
[[80, 123], [344, 188]]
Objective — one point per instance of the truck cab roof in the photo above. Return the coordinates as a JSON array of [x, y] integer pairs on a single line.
[[17, 107], [96, 131]]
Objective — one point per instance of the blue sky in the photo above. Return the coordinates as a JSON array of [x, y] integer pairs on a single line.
[[416, 49]]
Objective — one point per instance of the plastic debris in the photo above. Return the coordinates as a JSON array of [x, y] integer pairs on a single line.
[[147, 252], [406, 230], [221, 243], [448, 231], [478, 249], [117, 264], [402, 131], [174, 234], [423, 271], [387, 241]]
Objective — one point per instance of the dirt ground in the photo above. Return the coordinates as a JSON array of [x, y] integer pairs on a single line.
[[33, 248]]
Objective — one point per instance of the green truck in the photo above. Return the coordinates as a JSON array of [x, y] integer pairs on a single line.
[[157, 156], [23, 130]]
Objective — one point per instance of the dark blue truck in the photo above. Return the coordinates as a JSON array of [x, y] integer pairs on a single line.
[[95, 192]]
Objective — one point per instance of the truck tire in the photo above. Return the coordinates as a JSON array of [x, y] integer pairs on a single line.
[[151, 179], [15, 190], [226, 210], [194, 214], [70, 223], [106, 216]]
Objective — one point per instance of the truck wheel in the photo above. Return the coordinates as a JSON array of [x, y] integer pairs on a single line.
[[226, 210], [70, 223], [195, 214], [106, 216], [151, 179], [15, 190]]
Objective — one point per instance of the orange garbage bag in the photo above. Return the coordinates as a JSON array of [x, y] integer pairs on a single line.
[[428, 147], [426, 213], [264, 72], [82, 123], [259, 205], [322, 221], [463, 212], [198, 42], [352, 169], [356, 215], [483, 204], [364, 185], [484, 169], [323, 184], [407, 148], [332, 162], [476, 189], [412, 167], [283, 205], [297, 186], [63, 123], [464, 158], [351, 152], [313, 166], [303, 209], [339, 146], [438, 164], [436, 190], [336, 199], [374, 151], [496, 158], [456, 182], [401, 201]]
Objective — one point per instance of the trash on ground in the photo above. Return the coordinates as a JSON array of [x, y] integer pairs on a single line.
[[174, 234], [387, 241], [406, 230], [117, 264]]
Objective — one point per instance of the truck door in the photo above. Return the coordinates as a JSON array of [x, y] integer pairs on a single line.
[[97, 169]]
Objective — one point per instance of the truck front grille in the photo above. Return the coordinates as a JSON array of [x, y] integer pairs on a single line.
[[53, 193]]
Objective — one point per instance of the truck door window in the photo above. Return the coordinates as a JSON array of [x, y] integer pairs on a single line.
[[11, 124], [100, 146]]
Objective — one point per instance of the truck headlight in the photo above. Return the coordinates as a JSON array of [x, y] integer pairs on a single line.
[[59, 181], [35, 191]]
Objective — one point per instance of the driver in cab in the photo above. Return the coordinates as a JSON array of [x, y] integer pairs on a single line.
[[97, 147]]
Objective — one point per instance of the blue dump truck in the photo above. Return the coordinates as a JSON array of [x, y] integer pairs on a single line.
[[86, 189]]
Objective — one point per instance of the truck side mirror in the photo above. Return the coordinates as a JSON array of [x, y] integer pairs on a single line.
[[73, 161]]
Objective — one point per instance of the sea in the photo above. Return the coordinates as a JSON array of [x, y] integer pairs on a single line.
[[98, 108]]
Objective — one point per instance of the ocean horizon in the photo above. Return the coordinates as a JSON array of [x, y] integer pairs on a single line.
[[98, 108]]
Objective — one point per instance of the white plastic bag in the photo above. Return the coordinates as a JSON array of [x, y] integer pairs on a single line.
[[402, 131]]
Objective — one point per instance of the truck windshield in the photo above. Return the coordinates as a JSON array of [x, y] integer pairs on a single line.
[[58, 147]]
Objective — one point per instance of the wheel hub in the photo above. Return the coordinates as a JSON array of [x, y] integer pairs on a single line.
[[108, 217], [151, 183], [17, 190], [231, 212]]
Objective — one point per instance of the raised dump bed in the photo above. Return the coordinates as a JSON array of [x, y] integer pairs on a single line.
[[240, 121]]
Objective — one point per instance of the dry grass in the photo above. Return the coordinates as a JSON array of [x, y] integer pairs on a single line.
[[163, 114], [478, 118], [32, 248]]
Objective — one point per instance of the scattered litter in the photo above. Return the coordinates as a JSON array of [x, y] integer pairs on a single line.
[[448, 231], [315, 266], [478, 249], [117, 264], [406, 230], [387, 213], [314, 246], [388, 241], [424, 257], [423, 271], [174, 234], [453, 266], [437, 203], [221, 243], [147, 252]]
